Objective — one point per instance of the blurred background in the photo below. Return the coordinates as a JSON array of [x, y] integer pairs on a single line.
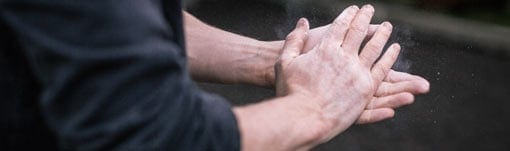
[[461, 46]]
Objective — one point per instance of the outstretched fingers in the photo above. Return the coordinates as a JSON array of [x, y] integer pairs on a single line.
[[382, 108], [295, 41], [411, 86], [312, 41], [338, 29], [397, 76], [397, 81]]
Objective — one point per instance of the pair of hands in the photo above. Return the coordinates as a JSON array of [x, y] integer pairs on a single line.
[[347, 83], [396, 90]]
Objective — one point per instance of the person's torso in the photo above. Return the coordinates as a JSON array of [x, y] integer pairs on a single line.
[[22, 126]]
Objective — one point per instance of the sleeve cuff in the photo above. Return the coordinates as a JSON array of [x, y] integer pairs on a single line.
[[220, 124]]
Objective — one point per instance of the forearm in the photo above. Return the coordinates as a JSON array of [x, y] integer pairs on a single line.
[[215, 55], [283, 123]]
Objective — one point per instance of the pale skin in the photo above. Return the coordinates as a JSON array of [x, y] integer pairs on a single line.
[[323, 86]]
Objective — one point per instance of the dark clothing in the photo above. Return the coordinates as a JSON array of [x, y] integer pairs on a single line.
[[102, 75]]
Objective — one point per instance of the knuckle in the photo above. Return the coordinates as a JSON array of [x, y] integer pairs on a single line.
[[358, 28], [371, 52], [337, 31], [340, 23], [296, 34], [327, 47], [373, 47], [328, 54], [294, 40], [292, 36]]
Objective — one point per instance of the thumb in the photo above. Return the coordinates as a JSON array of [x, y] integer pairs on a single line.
[[295, 41]]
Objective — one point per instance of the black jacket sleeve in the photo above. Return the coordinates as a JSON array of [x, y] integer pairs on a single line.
[[113, 77]]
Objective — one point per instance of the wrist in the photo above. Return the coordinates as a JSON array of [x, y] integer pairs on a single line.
[[292, 122], [268, 53], [314, 125]]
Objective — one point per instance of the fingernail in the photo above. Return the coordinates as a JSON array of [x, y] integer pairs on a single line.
[[387, 25], [425, 87], [368, 6], [354, 6], [396, 46], [302, 22]]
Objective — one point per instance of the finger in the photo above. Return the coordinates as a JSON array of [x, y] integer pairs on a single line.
[[383, 66], [358, 30], [415, 83], [295, 40], [374, 47], [338, 29], [371, 31], [313, 39], [323, 29], [391, 101], [375, 115], [414, 87], [397, 76]]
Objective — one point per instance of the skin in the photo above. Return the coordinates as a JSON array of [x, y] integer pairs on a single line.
[[222, 57], [323, 86], [337, 54]]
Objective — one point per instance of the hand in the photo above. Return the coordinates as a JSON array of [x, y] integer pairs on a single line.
[[398, 88], [339, 99]]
